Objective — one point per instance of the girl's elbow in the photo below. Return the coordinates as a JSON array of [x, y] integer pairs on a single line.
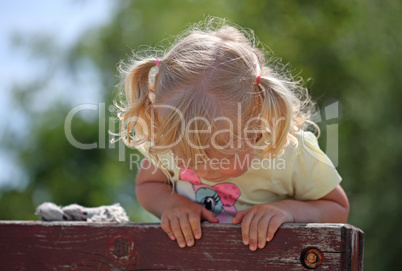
[[343, 212], [346, 210], [337, 214], [340, 205]]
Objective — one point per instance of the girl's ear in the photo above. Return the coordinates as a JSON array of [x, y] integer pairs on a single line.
[[257, 138], [277, 112]]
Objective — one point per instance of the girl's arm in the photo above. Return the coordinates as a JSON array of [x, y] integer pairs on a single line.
[[332, 208], [180, 217], [260, 222]]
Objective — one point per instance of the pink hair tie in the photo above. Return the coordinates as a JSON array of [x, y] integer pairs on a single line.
[[258, 79], [157, 61]]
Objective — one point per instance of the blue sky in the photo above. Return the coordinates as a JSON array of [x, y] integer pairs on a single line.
[[65, 21]]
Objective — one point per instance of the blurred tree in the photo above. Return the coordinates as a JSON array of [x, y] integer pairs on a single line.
[[351, 50]]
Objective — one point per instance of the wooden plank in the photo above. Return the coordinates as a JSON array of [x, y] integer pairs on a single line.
[[137, 246]]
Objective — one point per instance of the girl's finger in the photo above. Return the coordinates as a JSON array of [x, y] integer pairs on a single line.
[[253, 234], [245, 227], [187, 231], [175, 224], [239, 217], [274, 225], [208, 216], [262, 231], [195, 224], [165, 224]]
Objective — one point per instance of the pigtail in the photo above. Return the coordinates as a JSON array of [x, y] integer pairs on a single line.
[[137, 115], [277, 112]]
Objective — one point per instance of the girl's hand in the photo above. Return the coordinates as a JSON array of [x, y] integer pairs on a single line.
[[182, 223], [260, 223]]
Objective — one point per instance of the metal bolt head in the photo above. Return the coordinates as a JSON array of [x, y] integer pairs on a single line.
[[312, 258]]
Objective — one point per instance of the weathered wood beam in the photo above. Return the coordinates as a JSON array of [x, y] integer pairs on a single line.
[[136, 246]]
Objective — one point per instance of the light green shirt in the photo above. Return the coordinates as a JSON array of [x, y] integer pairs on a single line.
[[302, 172]]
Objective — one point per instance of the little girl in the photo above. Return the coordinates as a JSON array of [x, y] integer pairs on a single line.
[[221, 129]]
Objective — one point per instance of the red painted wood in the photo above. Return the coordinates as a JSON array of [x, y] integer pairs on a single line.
[[134, 246]]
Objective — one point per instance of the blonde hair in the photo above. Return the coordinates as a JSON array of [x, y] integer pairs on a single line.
[[202, 79]]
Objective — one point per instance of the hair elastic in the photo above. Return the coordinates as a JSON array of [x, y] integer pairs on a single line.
[[157, 61], [258, 79]]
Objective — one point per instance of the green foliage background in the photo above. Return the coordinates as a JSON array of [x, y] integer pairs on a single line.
[[350, 49]]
